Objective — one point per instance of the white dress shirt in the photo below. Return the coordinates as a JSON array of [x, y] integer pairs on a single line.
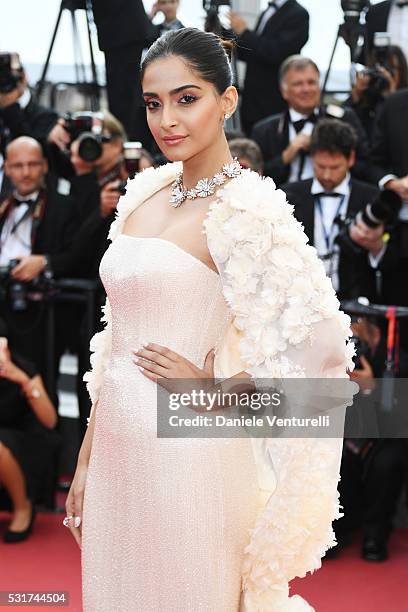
[[17, 244], [270, 11], [397, 26], [307, 171], [324, 226]]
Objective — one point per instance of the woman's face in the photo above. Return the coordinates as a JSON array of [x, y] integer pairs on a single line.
[[185, 113]]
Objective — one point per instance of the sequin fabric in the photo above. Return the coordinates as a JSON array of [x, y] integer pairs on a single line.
[[165, 521]]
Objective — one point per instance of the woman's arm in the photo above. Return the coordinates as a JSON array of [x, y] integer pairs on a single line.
[[39, 400], [86, 446]]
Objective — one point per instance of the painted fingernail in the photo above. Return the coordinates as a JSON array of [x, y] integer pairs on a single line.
[[140, 368]]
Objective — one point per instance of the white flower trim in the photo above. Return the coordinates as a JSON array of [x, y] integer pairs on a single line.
[[275, 284], [277, 290]]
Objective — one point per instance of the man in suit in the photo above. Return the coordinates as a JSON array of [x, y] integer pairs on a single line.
[[123, 28], [390, 171], [282, 30], [330, 197], [390, 16], [285, 138], [20, 115], [34, 223]]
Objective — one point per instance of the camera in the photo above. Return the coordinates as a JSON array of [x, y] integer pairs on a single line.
[[378, 83], [213, 23], [11, 72], [132, 153], [17, 293], [87, 127], [352, 9], [382, 211], [214, 5]]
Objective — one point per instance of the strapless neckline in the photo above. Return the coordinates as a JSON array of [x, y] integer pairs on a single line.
[[176, 247]]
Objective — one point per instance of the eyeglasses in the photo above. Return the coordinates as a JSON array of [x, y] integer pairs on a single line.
[[33, 165]]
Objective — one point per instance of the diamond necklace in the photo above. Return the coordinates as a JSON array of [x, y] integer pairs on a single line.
[[205, 187]]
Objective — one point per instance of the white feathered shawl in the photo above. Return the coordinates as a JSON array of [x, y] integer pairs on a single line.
[[286, 324]]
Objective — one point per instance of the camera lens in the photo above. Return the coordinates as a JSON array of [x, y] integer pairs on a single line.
[[89, 147]]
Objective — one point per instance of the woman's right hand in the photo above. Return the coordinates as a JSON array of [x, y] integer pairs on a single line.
[[73, 504]]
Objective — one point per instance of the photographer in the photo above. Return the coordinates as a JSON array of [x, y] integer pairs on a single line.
[[19, 114], [169, 9], [285, 138], [282, 30], [87, 149], [324, 203], [83, 257], [28, 439], [123, 30], [372, 85], [35, 222], [390, 16], [390, 171], [373, 471]]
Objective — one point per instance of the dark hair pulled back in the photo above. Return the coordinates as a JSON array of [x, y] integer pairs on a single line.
[[206, 54]]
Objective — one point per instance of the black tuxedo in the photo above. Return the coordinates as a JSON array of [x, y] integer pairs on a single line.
[[56, 227], [285, 33], [5, 187], [120, 22], [356, 277], [28, 329], [390, 139], [34, 120], [272, 135], [123, 28], [376, 21]]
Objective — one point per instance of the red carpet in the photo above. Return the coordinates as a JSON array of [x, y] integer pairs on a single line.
[[50, 561]]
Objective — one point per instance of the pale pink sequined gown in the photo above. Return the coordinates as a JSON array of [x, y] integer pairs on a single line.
[[165, 521]]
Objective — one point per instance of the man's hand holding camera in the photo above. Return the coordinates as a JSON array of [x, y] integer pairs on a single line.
[[400, 186], [28, 268], [367, 237], [59, 135], [110, 195], [7, 99]]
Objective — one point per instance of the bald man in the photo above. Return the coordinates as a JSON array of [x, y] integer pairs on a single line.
[[34, 222]]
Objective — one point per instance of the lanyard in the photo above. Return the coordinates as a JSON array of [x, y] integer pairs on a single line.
[[328, 235]]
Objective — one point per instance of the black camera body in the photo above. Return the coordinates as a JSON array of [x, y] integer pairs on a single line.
[[11, 72], [17, 293], [87, 127], [378, 84], [382, 211]]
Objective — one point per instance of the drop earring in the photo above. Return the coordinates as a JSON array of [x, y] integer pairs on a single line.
[[227, 116]]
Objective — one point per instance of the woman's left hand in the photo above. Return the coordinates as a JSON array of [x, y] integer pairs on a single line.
[[162, 365]]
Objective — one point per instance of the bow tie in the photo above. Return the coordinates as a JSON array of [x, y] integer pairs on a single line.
[[17, 202], [402, 3], [300, 124], [273, 5], [330, 194]]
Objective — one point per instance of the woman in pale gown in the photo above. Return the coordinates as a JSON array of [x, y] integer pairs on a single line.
[[164, 523]]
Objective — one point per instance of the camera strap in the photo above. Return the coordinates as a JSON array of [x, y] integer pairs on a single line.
[[328, 235]]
